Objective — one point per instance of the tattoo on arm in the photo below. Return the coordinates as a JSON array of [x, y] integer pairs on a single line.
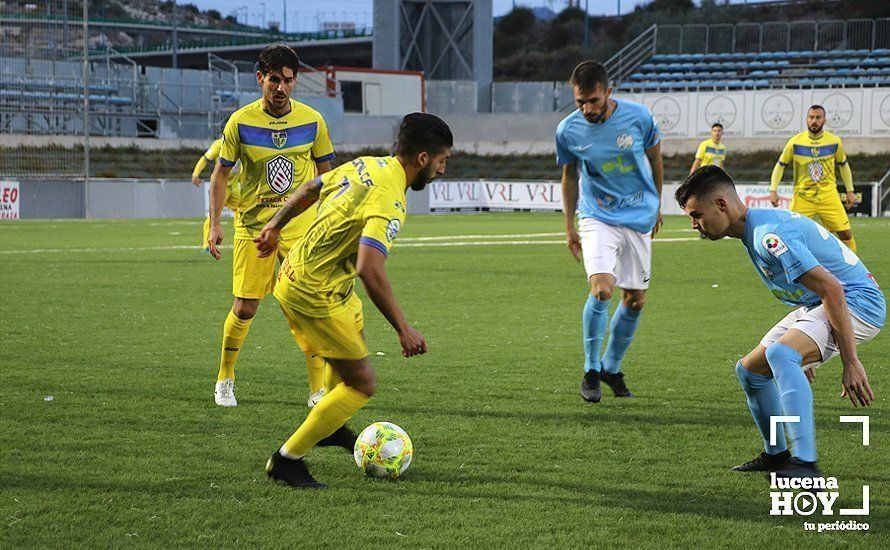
[[298, 202]]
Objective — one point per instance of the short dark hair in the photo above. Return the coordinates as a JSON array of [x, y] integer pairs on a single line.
[[587, 75], [717, 125], [702, 183], [275, 57], [821, 108], [423, 132]]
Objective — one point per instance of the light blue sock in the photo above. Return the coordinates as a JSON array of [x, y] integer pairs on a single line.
[[623, 326], [764, 402], [797, 399], [593, 322]]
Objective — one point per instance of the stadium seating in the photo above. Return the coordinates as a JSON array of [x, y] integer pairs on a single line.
[[738, 71]]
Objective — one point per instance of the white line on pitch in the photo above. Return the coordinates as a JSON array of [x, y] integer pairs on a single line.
[[399, 244], [512, 236]]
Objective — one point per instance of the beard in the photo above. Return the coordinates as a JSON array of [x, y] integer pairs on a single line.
[[598, 117], [815, 129], [423, 178]]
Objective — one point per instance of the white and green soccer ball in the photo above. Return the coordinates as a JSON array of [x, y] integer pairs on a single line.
[[383, 450]]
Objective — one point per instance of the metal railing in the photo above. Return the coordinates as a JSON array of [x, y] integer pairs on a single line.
[[884, 193], [628, 58], [774, 36]]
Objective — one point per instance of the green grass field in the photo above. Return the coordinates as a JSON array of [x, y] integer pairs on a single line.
[[120, 322]]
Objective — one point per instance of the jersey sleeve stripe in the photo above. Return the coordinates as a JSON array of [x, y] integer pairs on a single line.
[[324, 158], [375, 243], [226, 162]]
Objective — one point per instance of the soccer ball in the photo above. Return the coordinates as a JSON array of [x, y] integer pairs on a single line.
[[383, 450]]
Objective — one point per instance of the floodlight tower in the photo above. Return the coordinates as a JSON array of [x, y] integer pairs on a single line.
[[446, 39]]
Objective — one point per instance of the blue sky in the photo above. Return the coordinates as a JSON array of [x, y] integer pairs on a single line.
[[305, 15]]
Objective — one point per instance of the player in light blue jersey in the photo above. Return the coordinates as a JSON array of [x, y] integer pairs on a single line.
[[615, 144], [838, 306]]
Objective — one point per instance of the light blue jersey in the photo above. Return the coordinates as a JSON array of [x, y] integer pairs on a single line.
[[784, 245], [616, 179]]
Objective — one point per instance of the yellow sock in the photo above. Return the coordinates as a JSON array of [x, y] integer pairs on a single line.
[[315, 367], [851, 244], [234, 333], [206, 234], [331, 378], [331, 412]]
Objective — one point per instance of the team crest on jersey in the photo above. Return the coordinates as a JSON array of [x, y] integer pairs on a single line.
[[280, 174], [774, 245], [815, 151], [624, 141], [392, 228], [816, 171], [279, 138]]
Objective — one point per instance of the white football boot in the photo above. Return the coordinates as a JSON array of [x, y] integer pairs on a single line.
[[225, 393], [314, 398]]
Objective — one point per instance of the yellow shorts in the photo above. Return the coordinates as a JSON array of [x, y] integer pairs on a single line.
[[336, 337], [254, 277], [828, 207]]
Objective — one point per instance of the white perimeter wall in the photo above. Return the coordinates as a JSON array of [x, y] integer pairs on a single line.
[[757, 114]]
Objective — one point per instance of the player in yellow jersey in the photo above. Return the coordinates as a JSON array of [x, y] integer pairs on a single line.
[[233, 190], [815, 155], [361, 207], [281, 144], [712, 151]]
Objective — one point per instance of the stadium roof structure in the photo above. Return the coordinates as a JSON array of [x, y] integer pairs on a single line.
[[352, 51]]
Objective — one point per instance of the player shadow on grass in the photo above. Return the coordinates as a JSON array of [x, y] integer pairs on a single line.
[[586, 415], [597, 491]]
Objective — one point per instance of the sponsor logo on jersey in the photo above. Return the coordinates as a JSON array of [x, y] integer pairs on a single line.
[[618, 165], [279, 139], [280, 174], [774, 245]]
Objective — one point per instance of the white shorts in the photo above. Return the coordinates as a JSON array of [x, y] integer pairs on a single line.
[[620, 251], [814, 323]]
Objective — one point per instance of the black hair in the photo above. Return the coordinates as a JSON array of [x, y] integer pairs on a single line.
[[702, 183], [717, 125], [275, 57], [587, 75], [821, 108], [421, 132]]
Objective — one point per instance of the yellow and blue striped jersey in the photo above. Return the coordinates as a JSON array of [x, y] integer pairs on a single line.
[[277, 154], [710, 153], [361, 202], [815, 160]]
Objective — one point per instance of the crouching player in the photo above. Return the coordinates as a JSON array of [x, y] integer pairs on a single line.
[[838, 306], [361, 206]]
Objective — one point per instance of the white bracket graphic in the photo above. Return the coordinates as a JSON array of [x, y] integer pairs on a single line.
[[861, 420], [773, 420], [858, 511]]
